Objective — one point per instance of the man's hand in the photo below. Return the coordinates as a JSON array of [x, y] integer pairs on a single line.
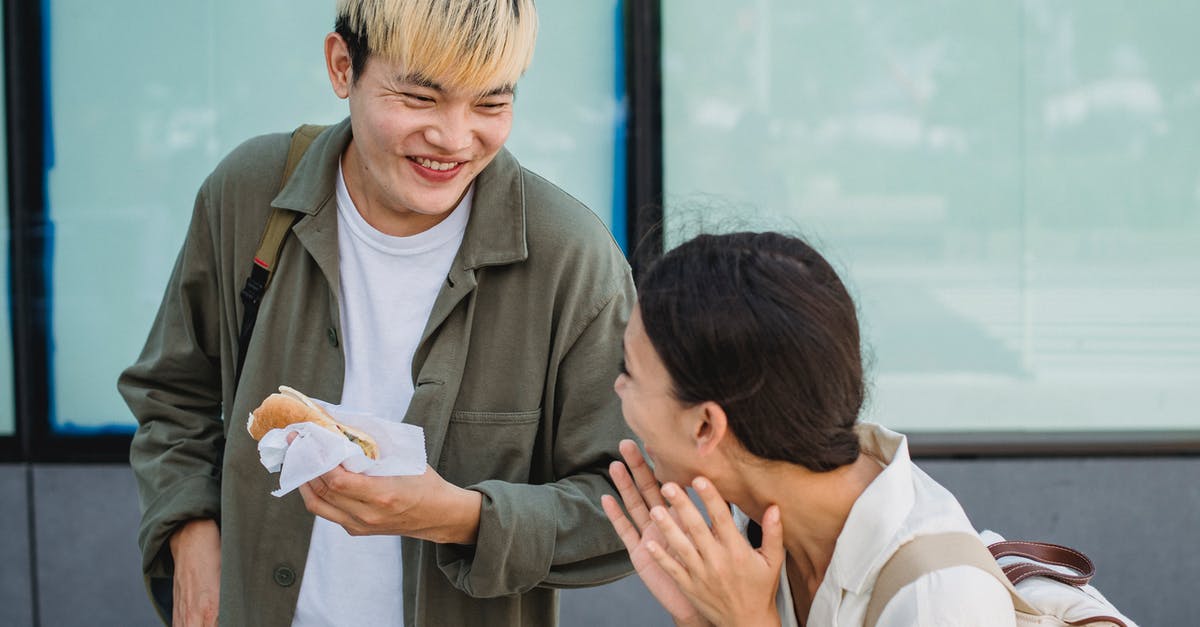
[[196, 549], [425, 506]]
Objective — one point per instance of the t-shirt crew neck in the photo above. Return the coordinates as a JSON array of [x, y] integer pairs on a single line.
[[452, 227]]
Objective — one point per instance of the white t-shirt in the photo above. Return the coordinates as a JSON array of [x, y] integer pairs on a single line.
[[388, 285], [900, 504]]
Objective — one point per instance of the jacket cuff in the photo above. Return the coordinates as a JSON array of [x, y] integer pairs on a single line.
[[191, 498], [520, 547]]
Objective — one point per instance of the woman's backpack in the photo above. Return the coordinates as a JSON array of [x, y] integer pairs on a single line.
[[1048, 582]]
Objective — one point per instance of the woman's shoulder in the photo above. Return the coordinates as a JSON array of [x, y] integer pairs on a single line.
[[958, 595]]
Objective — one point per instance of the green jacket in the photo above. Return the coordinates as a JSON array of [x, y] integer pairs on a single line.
[[513, 381]]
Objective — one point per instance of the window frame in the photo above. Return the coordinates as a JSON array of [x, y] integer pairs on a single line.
[[34, 440]]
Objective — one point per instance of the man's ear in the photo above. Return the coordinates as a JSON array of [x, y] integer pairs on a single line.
[[337, 62], [711, 427]]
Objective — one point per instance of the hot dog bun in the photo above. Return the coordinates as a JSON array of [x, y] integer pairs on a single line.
[[290, 406]]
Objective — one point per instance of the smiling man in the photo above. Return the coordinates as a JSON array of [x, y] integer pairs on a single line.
[[428, 277]]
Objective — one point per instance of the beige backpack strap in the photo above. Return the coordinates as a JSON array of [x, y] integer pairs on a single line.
[[302, 137], [281, 219], [271, 243], [926, 554]]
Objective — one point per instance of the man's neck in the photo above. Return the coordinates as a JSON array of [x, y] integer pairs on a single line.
[[396, 222]]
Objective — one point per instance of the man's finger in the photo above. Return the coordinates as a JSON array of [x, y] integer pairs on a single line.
[[343, 489], [318, 506]]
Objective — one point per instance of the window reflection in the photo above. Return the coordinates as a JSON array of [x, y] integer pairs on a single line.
[[136, 133], [1011, 188]]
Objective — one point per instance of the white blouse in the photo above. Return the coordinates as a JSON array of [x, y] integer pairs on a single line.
[[900, 504]]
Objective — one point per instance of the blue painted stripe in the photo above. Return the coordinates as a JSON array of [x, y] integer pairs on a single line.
[[620, 133], [47, 224], [71, 429]]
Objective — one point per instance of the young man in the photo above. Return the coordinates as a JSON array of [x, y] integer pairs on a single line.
[[429, 277]]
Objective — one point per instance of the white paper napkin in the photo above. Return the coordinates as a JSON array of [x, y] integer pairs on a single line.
[[318, 450]]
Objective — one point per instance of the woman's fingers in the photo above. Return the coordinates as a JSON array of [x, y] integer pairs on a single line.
[[690, 520], [643, 475], [723, 526], [671, 565], [630, 536], [772, 538], [678, 542], [630, 496]]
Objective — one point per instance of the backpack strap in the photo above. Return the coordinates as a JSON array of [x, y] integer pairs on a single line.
[[926, 554], [278, 225]]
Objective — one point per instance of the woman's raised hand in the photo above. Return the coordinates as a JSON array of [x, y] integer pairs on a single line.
[[640, 492], [729, 581]]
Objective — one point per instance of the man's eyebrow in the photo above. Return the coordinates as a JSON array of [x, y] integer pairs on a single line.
[[420, 80], [503, 90]]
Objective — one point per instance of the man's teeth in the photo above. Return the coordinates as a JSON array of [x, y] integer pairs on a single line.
[[435, 165]]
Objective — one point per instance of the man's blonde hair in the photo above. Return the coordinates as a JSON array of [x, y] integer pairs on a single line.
[[470, 44]]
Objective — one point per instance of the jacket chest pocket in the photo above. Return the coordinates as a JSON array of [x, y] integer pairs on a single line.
[[489, 445]]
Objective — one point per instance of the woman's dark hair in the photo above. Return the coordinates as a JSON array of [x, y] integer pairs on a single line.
[[761, 324]]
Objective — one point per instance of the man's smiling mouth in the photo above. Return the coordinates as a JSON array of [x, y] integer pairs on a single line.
[[440, 166]]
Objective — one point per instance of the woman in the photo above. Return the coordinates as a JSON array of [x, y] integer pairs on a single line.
[[743, 379]]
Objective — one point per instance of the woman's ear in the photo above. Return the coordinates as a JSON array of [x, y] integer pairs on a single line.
[[711, 427], [337, 62]]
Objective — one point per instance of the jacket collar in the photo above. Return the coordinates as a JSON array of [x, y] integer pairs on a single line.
[[495, 234]]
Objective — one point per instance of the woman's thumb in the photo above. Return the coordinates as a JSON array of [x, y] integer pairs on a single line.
[[772, 538]]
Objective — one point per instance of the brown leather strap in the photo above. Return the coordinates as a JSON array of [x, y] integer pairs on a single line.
[[1045, 553], [1092, 620]]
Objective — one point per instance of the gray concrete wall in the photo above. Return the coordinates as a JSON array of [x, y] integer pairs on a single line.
[[1136, 518], [16, 586]]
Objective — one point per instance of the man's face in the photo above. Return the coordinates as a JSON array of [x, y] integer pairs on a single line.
[[418, 144]]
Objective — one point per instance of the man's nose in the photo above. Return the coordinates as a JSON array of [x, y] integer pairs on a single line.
[[451, 132]]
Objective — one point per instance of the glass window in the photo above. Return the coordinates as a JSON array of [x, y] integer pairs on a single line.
[[8, 408], [1010, 189], [569, 114], [147, 98]]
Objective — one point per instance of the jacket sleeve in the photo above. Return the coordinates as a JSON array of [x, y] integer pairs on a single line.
[[174, 391], [555, 534]]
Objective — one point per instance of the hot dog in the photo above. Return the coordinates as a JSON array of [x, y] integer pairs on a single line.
[[290, 406]]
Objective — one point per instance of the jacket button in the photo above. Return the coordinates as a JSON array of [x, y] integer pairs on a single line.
[[332, 334], [284, 575]]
